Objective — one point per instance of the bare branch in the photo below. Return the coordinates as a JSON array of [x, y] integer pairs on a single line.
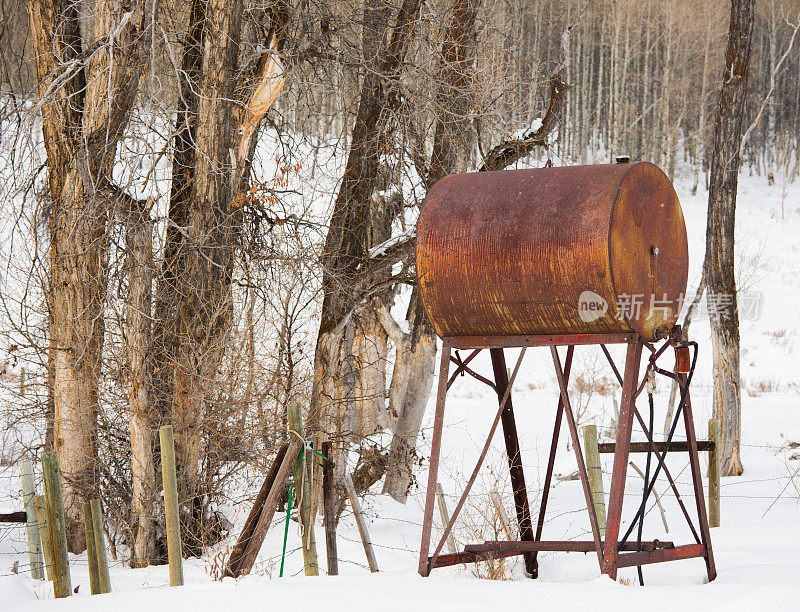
[[511, 151]]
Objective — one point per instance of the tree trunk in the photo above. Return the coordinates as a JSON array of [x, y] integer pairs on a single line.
[[412, 377], [83, 114], [719, 261], [215, 130], [138, 317], [336, 377]]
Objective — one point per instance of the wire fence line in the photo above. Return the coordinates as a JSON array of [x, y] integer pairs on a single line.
[[14, 538]]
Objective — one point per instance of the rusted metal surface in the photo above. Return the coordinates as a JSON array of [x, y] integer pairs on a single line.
[[658, 447], [576, 446], [687, 551], [620, 469], [464, 342], [583, 546], [551, 461], [471, 481], [433, 471], [613, 552], [697, 482], [514, 456], [520, 252], [649, 435], [682, 361]]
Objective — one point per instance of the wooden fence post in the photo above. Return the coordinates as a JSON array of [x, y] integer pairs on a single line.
[[62, 585], [170, 482], [41, 518], [713, 474], [451, 542], [329, 512], [595, 473], [32, 522], [91, 550], [362, 524], [100, 547], [304, 490]]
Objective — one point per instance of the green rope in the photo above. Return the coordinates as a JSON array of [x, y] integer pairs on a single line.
[[289, 502], [286, 529]]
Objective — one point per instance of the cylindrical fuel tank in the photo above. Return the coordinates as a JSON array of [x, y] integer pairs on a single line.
[[570, 250]]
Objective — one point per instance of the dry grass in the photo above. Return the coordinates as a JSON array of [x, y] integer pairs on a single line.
[[765, 385]]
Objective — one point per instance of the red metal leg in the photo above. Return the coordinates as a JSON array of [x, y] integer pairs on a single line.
[[620, 470], [433, 471], [481, 458], [514, 458], [548, 477], [697, 480], [657, 454], [576, 444]]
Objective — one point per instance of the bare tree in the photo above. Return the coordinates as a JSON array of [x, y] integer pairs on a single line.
[[85, 96], [221, 105], [337, 374], [412, 376], [719, 261]]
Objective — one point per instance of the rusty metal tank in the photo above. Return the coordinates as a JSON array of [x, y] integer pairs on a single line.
[[570, 250]]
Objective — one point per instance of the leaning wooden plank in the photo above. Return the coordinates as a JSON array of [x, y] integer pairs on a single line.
[[451, 541], [268, 511], [232, 568]]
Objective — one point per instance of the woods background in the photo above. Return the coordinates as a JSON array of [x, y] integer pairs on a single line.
[[208, 209]]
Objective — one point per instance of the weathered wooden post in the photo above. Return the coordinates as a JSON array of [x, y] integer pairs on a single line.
[[451, 542], [303, 488], [100, 546], [62, 585], [362, 524], [505, 523], [91, 550], [713, 474], [41, 518], [170, 482], [329, 512], [595, 474], [32, 522]]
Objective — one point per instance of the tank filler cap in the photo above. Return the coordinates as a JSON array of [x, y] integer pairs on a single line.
[[622, 159]]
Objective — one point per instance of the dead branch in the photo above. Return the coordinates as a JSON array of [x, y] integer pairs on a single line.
[[511, 151]]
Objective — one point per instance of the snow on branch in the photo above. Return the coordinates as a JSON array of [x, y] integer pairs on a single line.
[[523, 142]]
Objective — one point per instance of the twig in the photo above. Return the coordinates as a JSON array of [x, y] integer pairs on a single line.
[[657, 496]]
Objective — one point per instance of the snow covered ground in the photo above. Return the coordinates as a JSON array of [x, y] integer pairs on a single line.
[[757, 548]]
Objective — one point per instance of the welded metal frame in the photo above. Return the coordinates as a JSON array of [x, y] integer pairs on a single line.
[[610, 553]]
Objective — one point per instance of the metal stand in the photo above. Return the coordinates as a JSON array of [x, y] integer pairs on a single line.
[[611, 553]]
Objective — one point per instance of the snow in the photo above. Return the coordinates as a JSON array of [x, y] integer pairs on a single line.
[[524, 133], [757, 548], [383, 247]]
